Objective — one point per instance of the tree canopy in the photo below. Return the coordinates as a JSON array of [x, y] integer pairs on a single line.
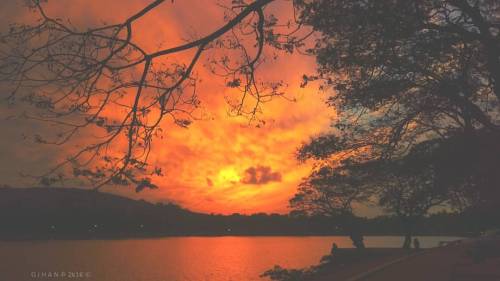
[[408, 77]]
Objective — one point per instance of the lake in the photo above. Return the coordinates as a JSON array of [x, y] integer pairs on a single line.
[[174, 258]]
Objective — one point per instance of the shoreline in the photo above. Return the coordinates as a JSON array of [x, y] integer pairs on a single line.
[[437, 263]]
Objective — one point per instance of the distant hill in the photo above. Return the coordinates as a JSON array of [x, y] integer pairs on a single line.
[[72, 200], [66, 213], [59, 212]]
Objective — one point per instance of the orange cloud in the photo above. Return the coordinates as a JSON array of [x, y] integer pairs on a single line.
[[260, 175]]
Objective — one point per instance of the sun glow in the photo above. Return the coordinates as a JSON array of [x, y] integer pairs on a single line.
[[228, 176]]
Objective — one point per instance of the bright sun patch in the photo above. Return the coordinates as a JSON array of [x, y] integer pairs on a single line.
[[228, 176]]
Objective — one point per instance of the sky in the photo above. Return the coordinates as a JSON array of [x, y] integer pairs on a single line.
[[221, 163]]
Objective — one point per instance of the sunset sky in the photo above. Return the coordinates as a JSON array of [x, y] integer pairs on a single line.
[[220, 164]]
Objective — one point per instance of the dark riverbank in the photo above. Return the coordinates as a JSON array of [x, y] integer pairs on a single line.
[[472, 259], [64, 213], [343, 264]]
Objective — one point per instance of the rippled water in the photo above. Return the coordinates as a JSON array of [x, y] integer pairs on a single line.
[[172, 259]]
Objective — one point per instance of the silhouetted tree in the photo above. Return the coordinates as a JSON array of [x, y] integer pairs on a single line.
[[409, 195], [405, 188], [332, 193]]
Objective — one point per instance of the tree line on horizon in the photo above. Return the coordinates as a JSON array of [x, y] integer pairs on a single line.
[[56, 213]]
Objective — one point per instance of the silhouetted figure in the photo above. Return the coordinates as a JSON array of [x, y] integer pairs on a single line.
[[334, 248], [416, 244]]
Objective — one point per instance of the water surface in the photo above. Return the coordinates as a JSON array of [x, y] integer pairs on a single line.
[[174, 259]]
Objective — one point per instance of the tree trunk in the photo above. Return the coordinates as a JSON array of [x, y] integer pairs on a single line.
[[407, 242], [408, 224], [353, 228], [357, 240]]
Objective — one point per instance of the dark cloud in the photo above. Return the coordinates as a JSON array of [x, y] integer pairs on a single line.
[[260, 175]]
